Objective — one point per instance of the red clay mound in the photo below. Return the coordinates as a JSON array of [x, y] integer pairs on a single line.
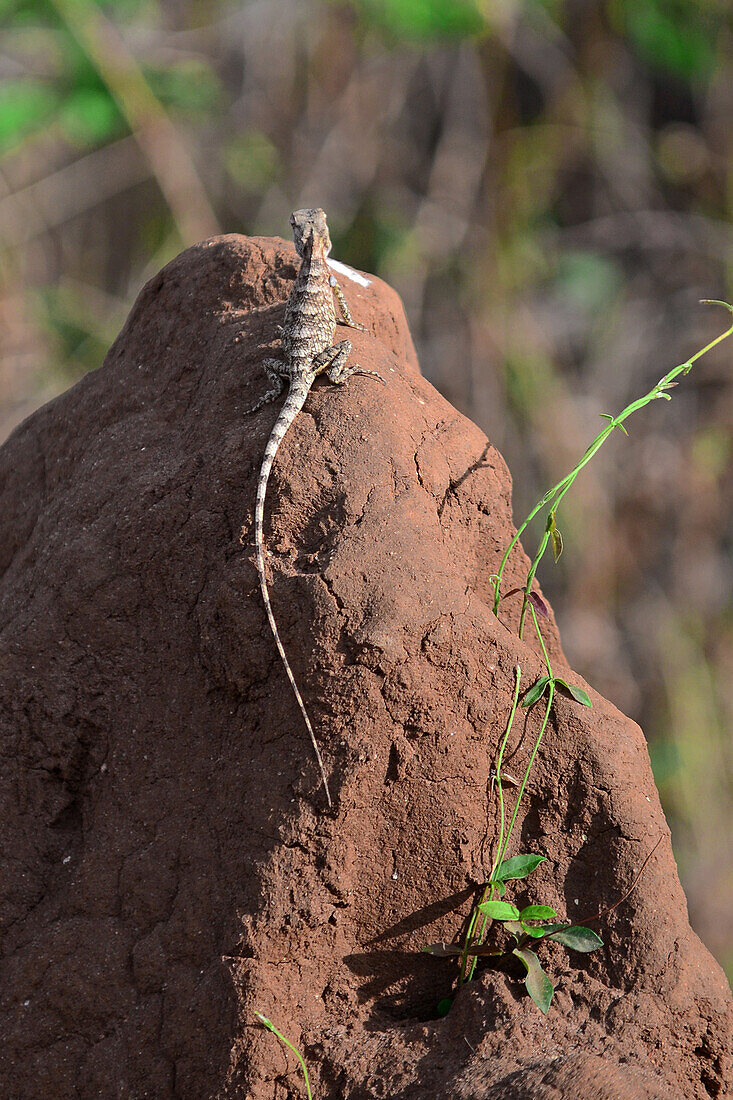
[[168, 866]]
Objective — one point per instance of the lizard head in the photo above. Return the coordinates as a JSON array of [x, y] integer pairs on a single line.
[[309, 228]]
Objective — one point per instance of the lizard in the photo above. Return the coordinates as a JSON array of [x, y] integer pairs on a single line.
[[308, 332]]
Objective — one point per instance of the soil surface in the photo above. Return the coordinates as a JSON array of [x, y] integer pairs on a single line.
[[168, 864]]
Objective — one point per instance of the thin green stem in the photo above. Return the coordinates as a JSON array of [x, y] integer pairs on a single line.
[[499, 761], [533, 570], [550, 697], [542, 643], [468, 942], [271, 1027], [559, 490], [554, 495], [504, 840], [518, 534], [490, 888]]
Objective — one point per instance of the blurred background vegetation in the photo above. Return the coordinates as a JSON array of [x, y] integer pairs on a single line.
[[546, 183]]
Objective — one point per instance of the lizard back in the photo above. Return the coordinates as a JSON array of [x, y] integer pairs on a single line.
[[310, 315]]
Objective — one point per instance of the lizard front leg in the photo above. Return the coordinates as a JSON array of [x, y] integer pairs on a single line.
[[334, 363], [343, 305], [277, 372]]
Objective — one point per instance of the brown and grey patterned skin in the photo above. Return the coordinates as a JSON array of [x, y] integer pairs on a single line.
[[308, 350]]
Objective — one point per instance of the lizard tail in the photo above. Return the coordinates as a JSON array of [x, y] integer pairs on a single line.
[[293, 404]]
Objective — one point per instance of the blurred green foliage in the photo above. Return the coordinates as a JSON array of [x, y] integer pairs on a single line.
[[25, 106], [675, 35], [420, 20], [588, 280], [89, 116], [252, 161], [70, 93], [188, 86]]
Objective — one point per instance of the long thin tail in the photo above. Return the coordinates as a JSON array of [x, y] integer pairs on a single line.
[[293, 404]]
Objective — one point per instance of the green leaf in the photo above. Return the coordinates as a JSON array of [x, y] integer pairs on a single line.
[[578, 938], [539, 986], [623, 429], [560, 926], [537, 912], [444, 1006], [499, 886], [577, 693], [536, 691], [518, 866], [499, 910], [580, 695], [557, 543], [533, 930]]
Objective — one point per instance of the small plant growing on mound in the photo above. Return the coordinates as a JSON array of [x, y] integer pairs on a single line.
[[291, 1046], [532, 924]]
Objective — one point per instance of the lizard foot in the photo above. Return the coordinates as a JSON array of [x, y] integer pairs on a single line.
[[273, 369], [372, 373]]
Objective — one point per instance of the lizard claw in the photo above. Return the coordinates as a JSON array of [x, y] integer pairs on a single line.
[[372, 373]]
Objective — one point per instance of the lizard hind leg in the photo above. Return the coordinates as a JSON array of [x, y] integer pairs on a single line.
[[334, 362], [276, 371], [342, 372]]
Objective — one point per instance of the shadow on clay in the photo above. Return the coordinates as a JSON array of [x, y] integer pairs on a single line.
[[402, 982]]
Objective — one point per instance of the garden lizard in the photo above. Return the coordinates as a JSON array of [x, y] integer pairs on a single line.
[[308, 350]]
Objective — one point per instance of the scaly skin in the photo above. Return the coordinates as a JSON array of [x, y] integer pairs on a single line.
[[308, 350]]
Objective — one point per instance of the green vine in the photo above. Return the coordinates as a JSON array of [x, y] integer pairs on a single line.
[[535, 923]]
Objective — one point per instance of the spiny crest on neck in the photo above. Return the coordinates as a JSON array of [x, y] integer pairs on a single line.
[[309, 230]]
